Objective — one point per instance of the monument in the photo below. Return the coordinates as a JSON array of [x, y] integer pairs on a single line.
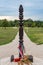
[[21, 46], [22, 58]]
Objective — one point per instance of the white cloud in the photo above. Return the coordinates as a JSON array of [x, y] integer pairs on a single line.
[[34, 17], [14, 17], [8, 17]]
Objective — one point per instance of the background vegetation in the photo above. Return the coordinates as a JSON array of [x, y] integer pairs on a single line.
[[7, 35], [35, 34], [34, 30], [15, 23]]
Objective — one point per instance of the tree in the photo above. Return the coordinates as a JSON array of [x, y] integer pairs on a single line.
[[16, 22], [41, 24], [33, 24], [38, 24], [30, 21], [5, 23]]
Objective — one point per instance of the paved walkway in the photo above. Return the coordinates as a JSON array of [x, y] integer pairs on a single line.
[[30, 47], [9, 49], [6, 61], [12, 48]]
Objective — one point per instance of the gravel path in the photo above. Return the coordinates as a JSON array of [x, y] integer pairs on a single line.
[[12, 48]]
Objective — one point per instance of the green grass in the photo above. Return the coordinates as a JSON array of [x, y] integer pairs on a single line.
[[7, 35], [35, 34]]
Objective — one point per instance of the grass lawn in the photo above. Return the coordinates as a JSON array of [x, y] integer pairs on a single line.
[[35, 34], [7, 35]]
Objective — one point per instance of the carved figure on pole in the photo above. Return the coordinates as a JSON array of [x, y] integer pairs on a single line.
[[27, 59], [21, 46]]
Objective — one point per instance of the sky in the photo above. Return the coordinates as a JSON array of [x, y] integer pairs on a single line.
[[32, 9]]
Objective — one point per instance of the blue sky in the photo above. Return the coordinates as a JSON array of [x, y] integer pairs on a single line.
[[32, 8]]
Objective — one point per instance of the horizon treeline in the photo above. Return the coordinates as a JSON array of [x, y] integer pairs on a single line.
[[26, 23]]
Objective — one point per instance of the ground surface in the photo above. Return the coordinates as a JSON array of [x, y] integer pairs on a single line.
[[30, 47], [35, 34], [7, 50], [7, 35], [6, 61]]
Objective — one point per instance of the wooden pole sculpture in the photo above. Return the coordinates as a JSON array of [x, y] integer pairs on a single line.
[[22, 58], [21, 46]]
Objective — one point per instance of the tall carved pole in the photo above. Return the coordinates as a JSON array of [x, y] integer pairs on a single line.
[[21, 46]]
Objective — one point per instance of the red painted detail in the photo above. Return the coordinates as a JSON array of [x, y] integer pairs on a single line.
[[20, 50], [17, 59]]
